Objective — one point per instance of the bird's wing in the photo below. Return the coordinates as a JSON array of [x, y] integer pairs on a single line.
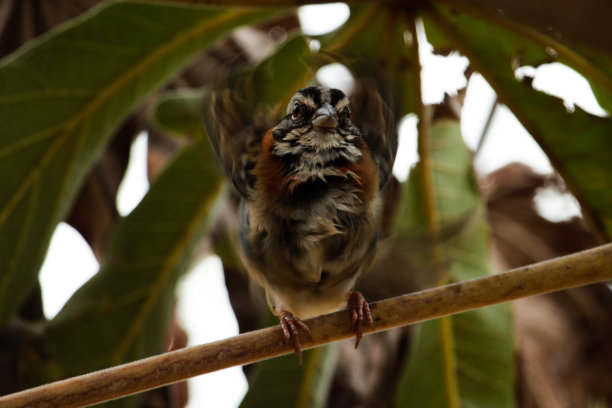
[[372, 112], [234, 136]]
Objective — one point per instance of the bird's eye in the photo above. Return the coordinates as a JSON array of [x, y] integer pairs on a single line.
[[297, 111], [345, 114]]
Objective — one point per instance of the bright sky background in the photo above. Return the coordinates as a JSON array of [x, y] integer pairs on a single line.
[[203, 306]]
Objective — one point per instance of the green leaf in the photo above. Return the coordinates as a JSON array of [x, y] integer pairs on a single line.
[[179, 112], [123, 312], [269, 86], [281, 382], [577, 143], [62, 95], [464, 360], [480, 362]]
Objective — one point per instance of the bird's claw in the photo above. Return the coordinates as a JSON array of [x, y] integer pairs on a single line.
[[291, 326], [360, 312]]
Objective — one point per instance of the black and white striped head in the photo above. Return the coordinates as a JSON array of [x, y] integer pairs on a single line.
[[317, 131]]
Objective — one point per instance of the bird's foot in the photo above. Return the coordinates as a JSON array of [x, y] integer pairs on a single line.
[[360, 313], [291, 326]]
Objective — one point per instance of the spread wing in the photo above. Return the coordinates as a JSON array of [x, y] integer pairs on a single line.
[[234, 136], [372, 112], [236, 131]]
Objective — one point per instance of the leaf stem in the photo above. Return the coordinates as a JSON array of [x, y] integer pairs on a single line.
[[487, 125], [432, 219], [424, 141]]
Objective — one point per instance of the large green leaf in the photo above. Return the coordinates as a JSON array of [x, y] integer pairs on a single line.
[[60, 98], [277, 79], [123, 312], [577, 143], [467, 359], [179, 112], [269, 86]]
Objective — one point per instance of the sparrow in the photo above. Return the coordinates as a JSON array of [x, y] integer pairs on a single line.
[[309, 188]]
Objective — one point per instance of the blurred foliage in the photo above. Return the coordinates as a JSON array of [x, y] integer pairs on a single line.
[[453, 353], [123, 67]]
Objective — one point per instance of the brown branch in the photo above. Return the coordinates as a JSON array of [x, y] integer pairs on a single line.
[[583, 268]]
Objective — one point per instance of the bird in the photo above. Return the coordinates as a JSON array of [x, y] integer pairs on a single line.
[[309, 195]]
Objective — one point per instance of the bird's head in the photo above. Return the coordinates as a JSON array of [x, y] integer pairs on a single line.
[[317, 131]]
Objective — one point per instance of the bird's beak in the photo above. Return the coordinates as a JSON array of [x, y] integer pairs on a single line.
[[325, 117]]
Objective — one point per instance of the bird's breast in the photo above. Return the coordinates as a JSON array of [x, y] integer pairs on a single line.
[[307, 232], [288, 179]]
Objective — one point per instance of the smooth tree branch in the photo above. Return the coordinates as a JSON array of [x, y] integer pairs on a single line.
[[579, 269]]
